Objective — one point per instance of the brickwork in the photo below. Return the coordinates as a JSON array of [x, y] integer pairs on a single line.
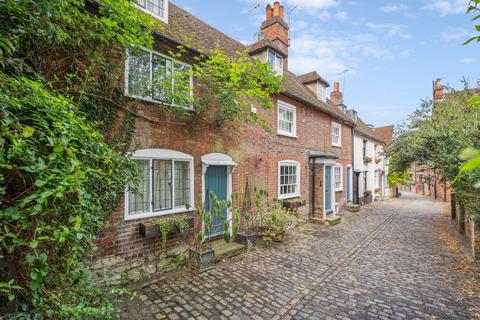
[[256, 152]]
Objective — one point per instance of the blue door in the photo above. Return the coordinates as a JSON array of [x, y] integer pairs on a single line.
[[216, 182], [328, 188], [349, 177]]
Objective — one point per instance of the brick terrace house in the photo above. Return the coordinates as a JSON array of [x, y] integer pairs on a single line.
[[308, 154]]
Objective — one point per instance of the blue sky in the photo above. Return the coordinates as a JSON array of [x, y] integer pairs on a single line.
[[393, 49]]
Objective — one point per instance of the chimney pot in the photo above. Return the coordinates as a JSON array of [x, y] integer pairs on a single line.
[[276, 9], [282, 12], [269, 12], [336, 86]]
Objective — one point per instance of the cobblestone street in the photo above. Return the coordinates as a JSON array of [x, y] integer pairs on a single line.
[[385, 262]]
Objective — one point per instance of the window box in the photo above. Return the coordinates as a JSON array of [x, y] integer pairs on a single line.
[[367, 160], [293, 204], [152, 231]]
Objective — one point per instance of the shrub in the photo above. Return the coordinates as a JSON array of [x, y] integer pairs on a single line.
[[273, 223]]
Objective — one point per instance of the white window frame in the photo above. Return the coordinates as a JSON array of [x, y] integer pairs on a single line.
[[165, 11], [289, 195], [290, 108], [322, 92], [162, 154], [149, 99], [340, 167], [339, 127], [278, 69]]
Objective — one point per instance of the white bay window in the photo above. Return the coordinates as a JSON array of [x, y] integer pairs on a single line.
[[166, 184]]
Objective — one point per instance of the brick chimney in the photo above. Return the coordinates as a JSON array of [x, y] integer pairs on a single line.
[[438, 90], [276, 29], [336, 96]]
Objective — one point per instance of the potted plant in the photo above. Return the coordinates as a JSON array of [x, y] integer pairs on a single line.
[[378, 160], [274, 222], [202, 256], [367, 196], [367, 160], [247, 235]]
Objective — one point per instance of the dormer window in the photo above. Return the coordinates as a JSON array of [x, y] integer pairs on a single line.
[[321, 91], [276, 62], [156, 8]]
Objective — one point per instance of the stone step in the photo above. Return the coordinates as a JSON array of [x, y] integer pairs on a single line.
[[225, 250], [331, 221], [316, 220], [350, 207]]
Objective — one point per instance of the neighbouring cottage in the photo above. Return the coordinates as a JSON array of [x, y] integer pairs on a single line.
[[370, 163], [308, 155]]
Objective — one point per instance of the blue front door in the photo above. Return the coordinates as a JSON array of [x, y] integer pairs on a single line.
[[216, 182], [328, 188]]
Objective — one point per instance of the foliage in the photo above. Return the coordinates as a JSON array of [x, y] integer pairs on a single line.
[[274, 221], [59, 179], [433, 138], [250, 212], [474, 8], [367, 160], [167, 224], [59, 182], [367, 193], [216, 208], [396, 178]]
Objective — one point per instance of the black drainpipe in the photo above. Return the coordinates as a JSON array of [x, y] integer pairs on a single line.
[[312, 210], [353, 163]]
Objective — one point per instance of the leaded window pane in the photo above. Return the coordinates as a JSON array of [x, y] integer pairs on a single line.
[[182, 183], [140, 202], [138, 73], [162, 185], [161, 68]]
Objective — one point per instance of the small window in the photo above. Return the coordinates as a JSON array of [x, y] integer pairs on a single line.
[[322, 92], [165, 185], [365, 180], [276, 62], [287, 119], [154, 77], [336, 134], [156, 8], [288, 179], [338, 178]]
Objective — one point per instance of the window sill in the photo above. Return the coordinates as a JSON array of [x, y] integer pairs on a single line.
[[336, 145], [155, 214], [150, 100], [289, 135], [288, 196], [338, 190]]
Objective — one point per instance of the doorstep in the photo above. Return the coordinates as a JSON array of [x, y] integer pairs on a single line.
[[331, 221], [225, 250]]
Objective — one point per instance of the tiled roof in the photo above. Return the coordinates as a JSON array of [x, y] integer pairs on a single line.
[[385, 133], [311, 77], [366, 130], [186, 29]]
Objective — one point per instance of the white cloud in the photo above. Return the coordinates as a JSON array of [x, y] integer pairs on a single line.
[[456, 34], [468, 60], [445, 7], [390, 8], [313, 4], [390, 30]]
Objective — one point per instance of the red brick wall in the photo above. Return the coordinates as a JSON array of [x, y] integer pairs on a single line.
[[256, 152]]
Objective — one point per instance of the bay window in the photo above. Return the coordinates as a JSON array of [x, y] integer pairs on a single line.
[[166, 184]]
